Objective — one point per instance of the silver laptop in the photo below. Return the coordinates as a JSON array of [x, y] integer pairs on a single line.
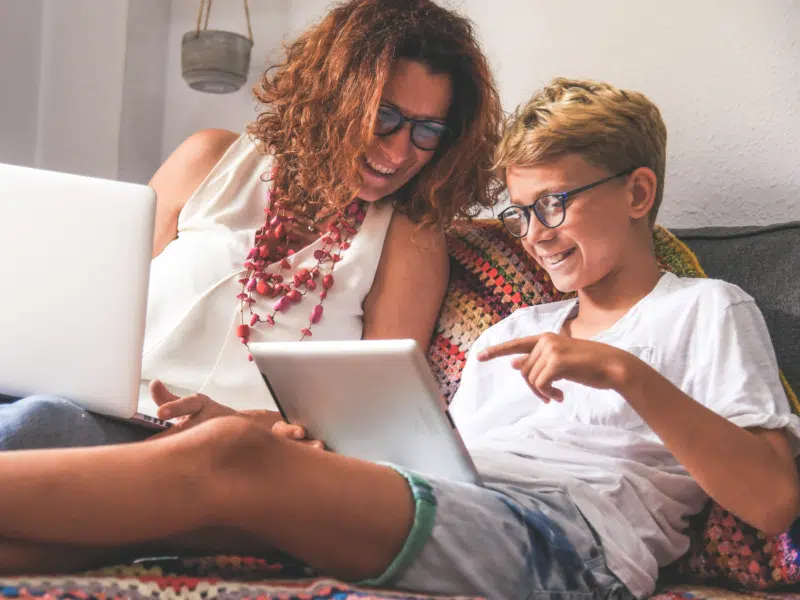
[[375, 400], [74, 265]]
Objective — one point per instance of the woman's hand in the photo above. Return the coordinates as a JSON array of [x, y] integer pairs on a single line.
[[295, 433], [199, 408], [188, 411]]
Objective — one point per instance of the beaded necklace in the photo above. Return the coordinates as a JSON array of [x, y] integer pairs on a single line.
[[288, 289]]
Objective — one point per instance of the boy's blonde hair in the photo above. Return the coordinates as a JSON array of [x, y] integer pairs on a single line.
[[611, 128]]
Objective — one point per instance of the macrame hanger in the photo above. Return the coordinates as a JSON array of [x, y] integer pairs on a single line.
[[205, 6], [200, 15], [247, 16]]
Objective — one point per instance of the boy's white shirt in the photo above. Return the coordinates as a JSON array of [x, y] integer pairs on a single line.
[[706, 336]]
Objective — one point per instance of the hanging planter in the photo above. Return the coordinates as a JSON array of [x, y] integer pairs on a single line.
[[213, 61]]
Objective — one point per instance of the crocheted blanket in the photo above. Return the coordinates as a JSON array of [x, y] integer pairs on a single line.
[[491, 276]]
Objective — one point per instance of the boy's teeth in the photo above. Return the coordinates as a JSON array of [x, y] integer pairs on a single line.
[[555, 258], [381, 169]]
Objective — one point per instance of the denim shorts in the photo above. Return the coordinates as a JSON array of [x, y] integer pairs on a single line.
[[501, 542]]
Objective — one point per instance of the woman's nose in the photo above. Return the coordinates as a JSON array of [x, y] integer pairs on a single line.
[[397, 146]]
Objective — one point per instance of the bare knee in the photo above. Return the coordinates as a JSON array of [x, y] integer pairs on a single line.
[[230, 439], [219, 437], [235, 450]]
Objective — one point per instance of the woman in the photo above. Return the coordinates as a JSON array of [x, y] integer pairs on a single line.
[[377, 133], [389, 102]]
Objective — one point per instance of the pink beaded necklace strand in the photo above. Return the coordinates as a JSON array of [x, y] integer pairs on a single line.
[[271, 247]]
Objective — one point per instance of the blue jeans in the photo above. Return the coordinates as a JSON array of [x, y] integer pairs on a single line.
[[51, 422]]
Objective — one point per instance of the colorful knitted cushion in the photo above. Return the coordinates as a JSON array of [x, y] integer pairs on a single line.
[[491, 276]]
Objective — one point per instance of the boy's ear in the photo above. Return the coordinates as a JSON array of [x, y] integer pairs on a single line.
[[643, 192]]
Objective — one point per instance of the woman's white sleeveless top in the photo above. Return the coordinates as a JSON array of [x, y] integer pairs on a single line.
[[192, 312]]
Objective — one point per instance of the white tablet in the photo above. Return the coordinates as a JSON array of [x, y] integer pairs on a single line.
[[375, 400]]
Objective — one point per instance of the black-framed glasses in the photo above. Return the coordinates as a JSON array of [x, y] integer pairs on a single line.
[[426, 134], [550, 209]]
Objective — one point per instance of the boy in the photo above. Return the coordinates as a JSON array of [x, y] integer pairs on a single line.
[[654, 391], [598, 424]]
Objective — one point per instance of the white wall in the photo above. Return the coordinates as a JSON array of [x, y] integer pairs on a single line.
[[725, 73], [186, 110], [274, 21], [83, 85], [20, 43], [144, 84], [82, 82], [80, 93], [304, 13]]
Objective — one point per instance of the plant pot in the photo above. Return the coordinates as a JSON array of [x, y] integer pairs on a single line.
[[215, 61]]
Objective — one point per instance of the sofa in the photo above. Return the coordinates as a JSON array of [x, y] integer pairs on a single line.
[[490, 277]]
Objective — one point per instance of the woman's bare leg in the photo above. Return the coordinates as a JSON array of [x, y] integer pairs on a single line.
[[346, 517]]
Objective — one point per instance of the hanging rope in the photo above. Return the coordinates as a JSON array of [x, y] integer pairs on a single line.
[[247, 16], [208, 14], [207, 8], [200, 16]]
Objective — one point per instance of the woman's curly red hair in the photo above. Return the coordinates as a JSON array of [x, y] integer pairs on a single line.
[[321, 103]]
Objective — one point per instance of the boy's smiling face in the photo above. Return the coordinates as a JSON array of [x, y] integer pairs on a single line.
[[595, 236]]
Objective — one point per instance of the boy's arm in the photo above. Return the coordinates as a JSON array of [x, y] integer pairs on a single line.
[[751, 472]]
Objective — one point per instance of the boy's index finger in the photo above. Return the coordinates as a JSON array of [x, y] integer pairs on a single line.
[[518, 346]]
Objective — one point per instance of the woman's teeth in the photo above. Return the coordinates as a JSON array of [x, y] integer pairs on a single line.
[[381, 169], [554, 259]]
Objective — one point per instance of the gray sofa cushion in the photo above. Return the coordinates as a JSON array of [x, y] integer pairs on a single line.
[[764, 262]]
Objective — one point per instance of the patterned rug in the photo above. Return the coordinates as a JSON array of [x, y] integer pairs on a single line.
[[715, 593], [165, 587], [226, 577]]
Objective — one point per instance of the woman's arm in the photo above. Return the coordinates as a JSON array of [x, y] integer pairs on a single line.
[[180, 175], [410, 283]]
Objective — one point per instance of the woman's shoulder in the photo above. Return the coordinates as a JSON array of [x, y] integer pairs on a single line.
[[405, 228], [181, 174], [194, 158], [419, 245], [203, 149]]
